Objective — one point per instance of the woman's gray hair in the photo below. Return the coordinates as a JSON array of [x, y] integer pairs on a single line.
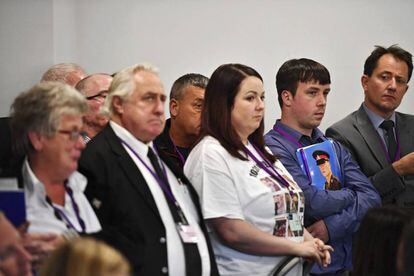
[[40, 110], [123, 84]]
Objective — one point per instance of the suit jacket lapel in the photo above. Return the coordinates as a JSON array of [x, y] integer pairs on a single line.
[[371, 137], [404, 135], [131, 170]]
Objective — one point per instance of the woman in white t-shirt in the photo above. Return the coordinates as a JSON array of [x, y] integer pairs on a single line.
[[253, 207]]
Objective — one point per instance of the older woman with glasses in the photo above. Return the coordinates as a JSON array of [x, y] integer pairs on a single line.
[[46, 123], [253, 207]]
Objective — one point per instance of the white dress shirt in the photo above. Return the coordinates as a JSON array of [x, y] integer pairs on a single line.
[[40, 213], [175, 250]]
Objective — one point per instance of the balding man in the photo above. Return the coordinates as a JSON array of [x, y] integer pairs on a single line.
[[95, 89], [148, 206], [69, 73]]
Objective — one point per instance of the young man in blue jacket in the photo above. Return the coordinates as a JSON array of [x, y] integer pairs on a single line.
[[303, 86]]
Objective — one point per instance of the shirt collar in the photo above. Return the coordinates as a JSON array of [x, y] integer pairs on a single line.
[[31, 182], [139, 147], [76, 181], [316, 133], [376, 119]]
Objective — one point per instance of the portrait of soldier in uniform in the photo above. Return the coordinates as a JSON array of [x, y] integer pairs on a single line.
[[322, 161]]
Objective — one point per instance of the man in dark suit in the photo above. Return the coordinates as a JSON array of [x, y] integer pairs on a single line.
[[147, 207], [380, 139]]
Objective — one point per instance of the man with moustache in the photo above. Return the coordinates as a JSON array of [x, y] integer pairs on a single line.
[[95, 89], [147, 208], [303, 86], [380, 139], [181, 131]]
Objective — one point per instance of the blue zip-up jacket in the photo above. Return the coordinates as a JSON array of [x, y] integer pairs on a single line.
[[341, 210]]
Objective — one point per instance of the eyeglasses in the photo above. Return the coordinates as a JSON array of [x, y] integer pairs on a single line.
[[73, 134], [102, 94]]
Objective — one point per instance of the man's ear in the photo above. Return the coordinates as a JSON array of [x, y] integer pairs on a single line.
[[174, 108], [287, 97], [36, 140], [364, 82], [117, 104], [406, 88]]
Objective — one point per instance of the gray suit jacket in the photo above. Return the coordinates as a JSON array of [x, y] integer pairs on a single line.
[[357, 133]]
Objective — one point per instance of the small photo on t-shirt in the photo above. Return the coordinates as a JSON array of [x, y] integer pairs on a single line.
[[280, 207], [295, 203], [280, 228], [291, 181], [295, 228], [302, 199], [270, 183], [288, 202]]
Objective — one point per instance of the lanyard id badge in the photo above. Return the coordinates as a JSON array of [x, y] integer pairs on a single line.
[[187, 233]]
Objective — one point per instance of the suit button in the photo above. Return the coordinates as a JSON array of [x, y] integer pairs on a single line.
[[162, 240], [164, 270]]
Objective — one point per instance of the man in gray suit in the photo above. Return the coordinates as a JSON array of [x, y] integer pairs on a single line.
[[380, 139]]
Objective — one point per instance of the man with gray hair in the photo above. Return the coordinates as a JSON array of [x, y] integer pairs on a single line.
[[69, 73], [95, 89], [182, 129], [148, 206]]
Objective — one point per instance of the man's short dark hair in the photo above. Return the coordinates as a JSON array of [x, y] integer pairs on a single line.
[[182, 82], [397, 52], [299, 70]]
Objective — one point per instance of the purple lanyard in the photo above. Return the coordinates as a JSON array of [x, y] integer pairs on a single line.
[[288, 136], [164, 186], [60, 215], [385, 150], [299, 145], [180, 156], [270, 169]]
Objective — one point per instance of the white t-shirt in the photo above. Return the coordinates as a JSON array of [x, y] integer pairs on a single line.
[[232, 188], [41, 215]]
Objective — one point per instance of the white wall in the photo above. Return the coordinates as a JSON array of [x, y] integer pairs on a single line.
[[26, 46], [184, 36]]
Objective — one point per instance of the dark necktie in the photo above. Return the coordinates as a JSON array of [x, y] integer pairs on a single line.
[[388, 126], [191, 253]]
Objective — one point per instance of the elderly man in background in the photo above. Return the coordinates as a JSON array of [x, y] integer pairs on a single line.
[[182, 130], [69, 73], [145, 202], [10, 161], [95, 89]]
